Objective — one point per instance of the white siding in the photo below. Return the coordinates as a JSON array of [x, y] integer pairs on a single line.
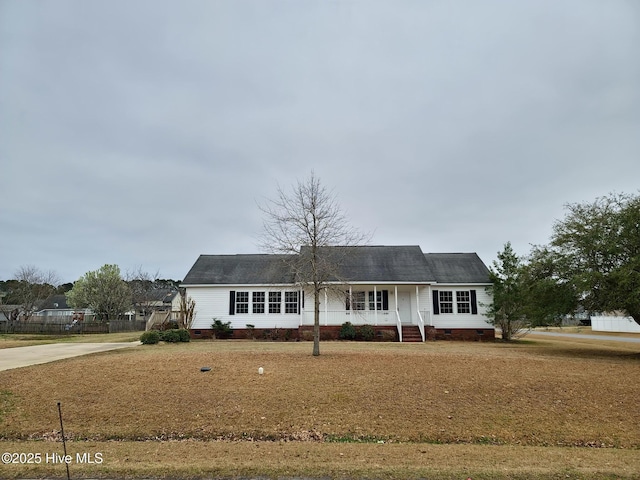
[[610, 323], [213, 302], [463, 320]]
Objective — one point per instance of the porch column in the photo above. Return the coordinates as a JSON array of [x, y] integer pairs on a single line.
[[418, 301], [431, 309], [350, 302], [396, 295], [326, 306], [375, 305], [301, 303]]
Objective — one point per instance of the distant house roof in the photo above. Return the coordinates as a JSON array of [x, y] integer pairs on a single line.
[[164, 295], [388, 264], [56, 302]]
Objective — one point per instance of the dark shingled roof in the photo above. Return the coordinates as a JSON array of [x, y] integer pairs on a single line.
[[457, 268], [388, 264], [379, 263], [239, 270]]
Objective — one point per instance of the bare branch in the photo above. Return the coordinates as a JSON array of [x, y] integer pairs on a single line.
[[304, 222]]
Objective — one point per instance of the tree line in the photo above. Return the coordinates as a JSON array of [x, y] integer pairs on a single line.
[[592, 262], [105, 291]]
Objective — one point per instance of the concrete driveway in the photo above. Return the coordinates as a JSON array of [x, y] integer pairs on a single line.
[[24, 356]]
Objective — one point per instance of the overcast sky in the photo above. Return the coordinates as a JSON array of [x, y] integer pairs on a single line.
[[145, 133]]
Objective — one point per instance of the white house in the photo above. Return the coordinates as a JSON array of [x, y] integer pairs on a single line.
[[614, 323], [399, 291]]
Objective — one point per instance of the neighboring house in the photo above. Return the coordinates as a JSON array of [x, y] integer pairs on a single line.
[[55, 308], [396, 289], [157, 300], [160, 306], [614, 323]]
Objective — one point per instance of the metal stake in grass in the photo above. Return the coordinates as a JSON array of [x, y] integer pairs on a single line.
[[64, 442]]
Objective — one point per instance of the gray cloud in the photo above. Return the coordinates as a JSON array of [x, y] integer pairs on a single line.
[[146, 132]]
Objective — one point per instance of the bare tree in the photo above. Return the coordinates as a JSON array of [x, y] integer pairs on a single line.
[[33, 288], [143, 286], [187, 310], [302, 223]]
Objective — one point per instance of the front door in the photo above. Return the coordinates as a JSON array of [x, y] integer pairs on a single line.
[[404, 307]]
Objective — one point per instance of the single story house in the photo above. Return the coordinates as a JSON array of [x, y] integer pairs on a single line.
[[400, 291]]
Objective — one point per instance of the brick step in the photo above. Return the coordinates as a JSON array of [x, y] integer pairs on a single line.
[[411, 334]]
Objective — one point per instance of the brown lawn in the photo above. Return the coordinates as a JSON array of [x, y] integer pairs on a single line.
[[541, 396]]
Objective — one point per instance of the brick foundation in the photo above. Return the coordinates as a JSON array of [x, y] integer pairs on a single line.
[[332, 332], [462, 334]]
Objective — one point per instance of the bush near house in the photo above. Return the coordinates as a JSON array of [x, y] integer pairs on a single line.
[[366, 333], [350, 332], [170, 336], [150, 338], [220, 329], [347, 332]]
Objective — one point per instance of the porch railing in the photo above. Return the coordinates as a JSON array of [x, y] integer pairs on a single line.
[[399, 326], [421, 325], [356, 317], [426, 314]]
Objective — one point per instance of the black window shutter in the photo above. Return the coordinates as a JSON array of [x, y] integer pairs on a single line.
[[299, 301], [303, 299], [436, 302], [474, 303], [385, 299], [232, 302], [348, 302]]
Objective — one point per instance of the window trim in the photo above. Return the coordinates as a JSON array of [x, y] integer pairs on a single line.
[[242, 305], [275, 307], [258, 304], [291, 302], [463, 301], [446, 305]]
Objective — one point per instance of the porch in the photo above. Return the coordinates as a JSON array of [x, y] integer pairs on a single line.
[[378, 306]]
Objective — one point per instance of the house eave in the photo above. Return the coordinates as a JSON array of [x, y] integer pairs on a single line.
[[284, 285]]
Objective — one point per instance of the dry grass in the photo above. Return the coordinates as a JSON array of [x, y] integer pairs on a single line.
[[476, 399], [25, 340]]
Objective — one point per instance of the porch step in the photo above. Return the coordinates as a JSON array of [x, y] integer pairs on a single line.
[[411, 333]]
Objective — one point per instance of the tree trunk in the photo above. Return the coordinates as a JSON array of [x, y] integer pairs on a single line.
[[635, 316], [506, 330], [316, 322]]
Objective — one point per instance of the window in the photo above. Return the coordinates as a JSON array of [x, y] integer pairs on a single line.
[[463, 299], [466, 302], [290, 302], [275, 298], [381, 302], [258, 302], [355, 301], [446, 301], [242, 302]]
